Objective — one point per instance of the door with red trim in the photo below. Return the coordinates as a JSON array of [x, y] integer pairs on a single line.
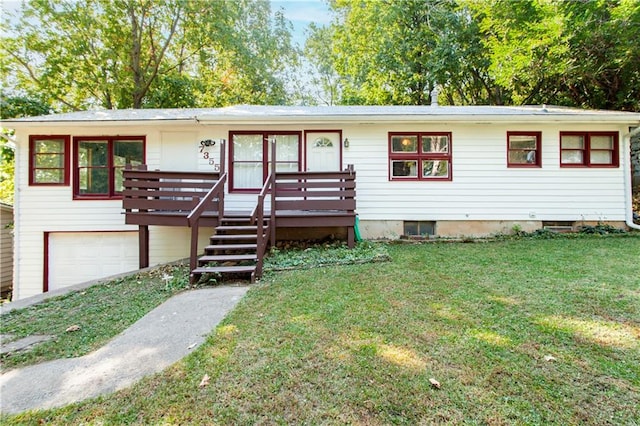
[[323, 151]]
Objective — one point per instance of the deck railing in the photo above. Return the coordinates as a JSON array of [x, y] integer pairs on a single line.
[[171, 198], [215, 197], [265, 229]]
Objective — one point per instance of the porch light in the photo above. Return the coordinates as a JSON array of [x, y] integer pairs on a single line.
[[346, 143]]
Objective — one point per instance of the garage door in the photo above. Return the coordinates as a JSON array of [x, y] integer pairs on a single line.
[[77, 257]]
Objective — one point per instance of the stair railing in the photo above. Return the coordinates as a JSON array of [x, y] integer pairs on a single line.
[[215, 193], [257, 217]]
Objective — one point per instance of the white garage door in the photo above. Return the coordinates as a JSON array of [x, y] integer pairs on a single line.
[[77, 257]]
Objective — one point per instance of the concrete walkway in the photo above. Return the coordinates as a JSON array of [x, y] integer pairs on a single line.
[[159, 339]]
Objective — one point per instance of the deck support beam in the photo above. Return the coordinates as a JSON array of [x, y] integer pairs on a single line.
[[143, 246]]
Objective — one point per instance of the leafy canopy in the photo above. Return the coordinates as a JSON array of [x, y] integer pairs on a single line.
[[148, 53], [574, 53]]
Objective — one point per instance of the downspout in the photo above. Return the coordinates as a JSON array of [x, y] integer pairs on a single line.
[[17, 154], [627, 179]]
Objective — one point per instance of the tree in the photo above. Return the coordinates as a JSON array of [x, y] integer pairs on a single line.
[[13, 107], [604, 64], [525, 45], [149, 53], [396, 52], [503, 52], [324, 78], [575, 53]]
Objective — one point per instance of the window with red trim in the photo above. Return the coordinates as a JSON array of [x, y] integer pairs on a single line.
[[524, 149], [420, 156], [99, 162], [250, 155], [589, 149], [49, 160]]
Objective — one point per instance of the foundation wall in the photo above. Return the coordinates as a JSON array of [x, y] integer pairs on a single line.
[[388, 229]]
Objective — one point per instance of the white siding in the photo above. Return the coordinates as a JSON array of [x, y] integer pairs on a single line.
[[52, 208], [483, 188]]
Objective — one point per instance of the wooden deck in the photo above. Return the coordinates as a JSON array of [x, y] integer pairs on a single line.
[[194, 199]]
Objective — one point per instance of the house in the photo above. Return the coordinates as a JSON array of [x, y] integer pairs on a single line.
[[436, 170], [6, 249]]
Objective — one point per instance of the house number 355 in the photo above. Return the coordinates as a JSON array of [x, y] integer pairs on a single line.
[[204, 145]]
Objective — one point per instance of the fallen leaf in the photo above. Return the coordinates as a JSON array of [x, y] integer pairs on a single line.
[[549, 358], [434, 383], [73, 328], [205, 381]]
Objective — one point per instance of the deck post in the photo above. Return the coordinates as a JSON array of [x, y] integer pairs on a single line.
[[272, 208], [143, 246], [193, 251]]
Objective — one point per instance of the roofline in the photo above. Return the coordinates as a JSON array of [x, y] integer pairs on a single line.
[[361, 114], [103, 122], [417, 118]]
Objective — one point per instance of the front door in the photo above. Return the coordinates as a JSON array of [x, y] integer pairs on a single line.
[[323, 151]]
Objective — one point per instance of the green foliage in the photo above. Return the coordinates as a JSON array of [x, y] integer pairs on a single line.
[[13, 107], [319, 53], [573, 53], [167, 53], [101, 311], [7, 170], [601, 229], [325, 255], [546, 234]]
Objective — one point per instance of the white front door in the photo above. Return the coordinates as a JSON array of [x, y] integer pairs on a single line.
[[323, 151]]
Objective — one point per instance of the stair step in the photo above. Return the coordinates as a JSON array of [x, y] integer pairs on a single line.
[[235, 219], [227, 257], [224, 237], [216, 247], [226, 228], [224, 269]]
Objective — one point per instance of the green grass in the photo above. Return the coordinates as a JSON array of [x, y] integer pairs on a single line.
[[358, 344], [101, 311]]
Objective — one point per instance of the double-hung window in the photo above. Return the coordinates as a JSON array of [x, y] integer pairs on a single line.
[[420, 156], [99, 162], [49, 160], [250, 154], [524, 149], [589, 149]]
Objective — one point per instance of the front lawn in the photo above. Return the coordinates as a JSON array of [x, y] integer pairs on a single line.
[[530, 331]]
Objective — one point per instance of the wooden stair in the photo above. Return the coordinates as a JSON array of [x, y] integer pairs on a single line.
[[232, 250]]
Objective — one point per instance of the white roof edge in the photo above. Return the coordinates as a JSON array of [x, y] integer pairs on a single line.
[[108, 123], [256, 114], [369, 118]]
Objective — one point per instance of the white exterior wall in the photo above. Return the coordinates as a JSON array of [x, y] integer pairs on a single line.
[[51, 209], [482, 189]]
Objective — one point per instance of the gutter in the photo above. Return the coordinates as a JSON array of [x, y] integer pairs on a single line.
[[19, 125], [209, 119], [627, 179]]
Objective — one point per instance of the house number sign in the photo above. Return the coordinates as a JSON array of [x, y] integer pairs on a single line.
[[204, 147]]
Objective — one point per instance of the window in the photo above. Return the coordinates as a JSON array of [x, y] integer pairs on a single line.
[[251, 157], [420, 156], [99, 162], [420, 228], [48, 160], [589, 149], [524, 149]]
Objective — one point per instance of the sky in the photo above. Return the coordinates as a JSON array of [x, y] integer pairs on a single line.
[[301, 13]]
